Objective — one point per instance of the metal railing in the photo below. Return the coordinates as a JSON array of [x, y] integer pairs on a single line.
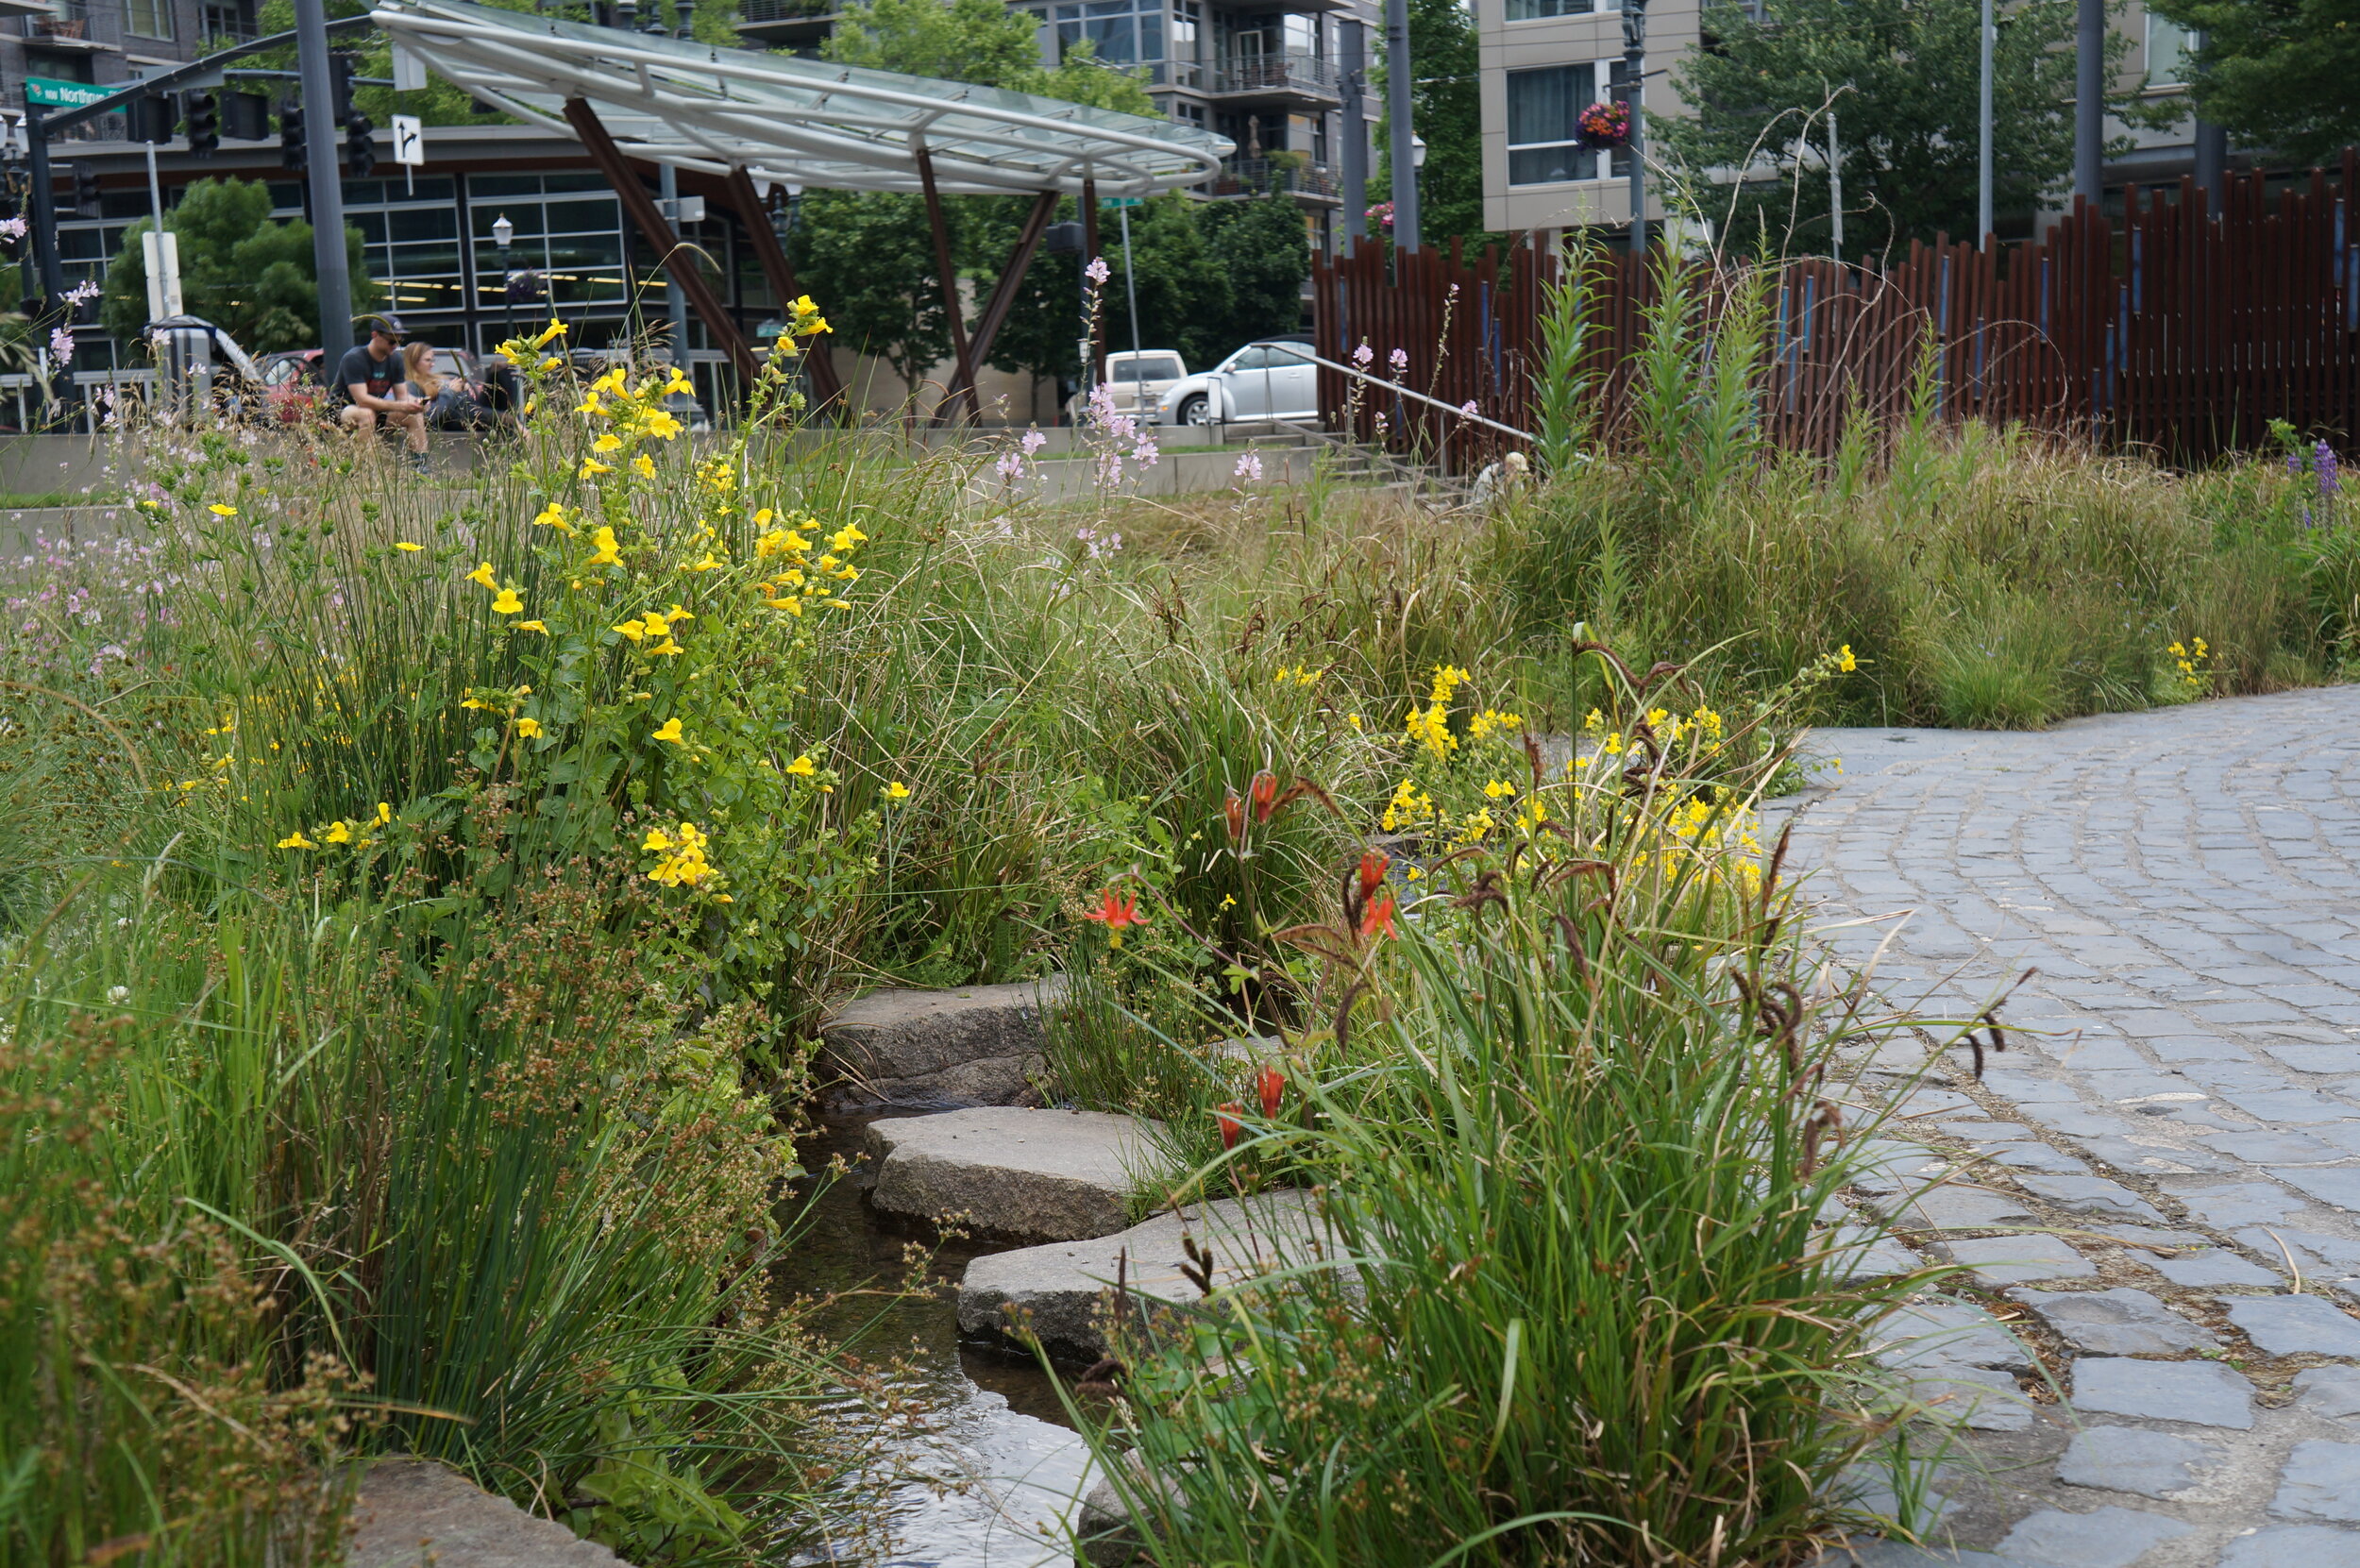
[[782, 10], [1244, 175], [1287, 71], [72, 22]]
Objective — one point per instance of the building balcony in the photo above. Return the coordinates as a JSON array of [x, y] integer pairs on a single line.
[[786, 24], [1299, 77], [1292, 173], [73, 26]]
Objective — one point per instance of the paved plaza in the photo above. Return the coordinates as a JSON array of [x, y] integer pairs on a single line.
[[2156, 1186]]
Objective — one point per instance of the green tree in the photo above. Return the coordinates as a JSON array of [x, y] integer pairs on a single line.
[[1262, 246], [240, 270], [1446, 112], [2277, 72], [867, 259], [1901, 75]]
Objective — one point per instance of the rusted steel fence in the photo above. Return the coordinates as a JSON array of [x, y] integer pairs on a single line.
[[2178, 329]]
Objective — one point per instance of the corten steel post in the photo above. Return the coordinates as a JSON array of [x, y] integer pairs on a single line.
[[2089, 101], [772, 257], [1400, 136], [1353, 46], [1982, 131], [1634, 87], [324, 172], [648, 219], [1096, 369], [963, 368]]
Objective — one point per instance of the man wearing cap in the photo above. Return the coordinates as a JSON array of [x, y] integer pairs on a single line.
[[368, 383]]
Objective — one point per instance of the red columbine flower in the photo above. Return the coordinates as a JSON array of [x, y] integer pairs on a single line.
[[1372, 865], [1228, 1116], [1115, 912], [1273, 1084], [1378, 920], [1265, 791]]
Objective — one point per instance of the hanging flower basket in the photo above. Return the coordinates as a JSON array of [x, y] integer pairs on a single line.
[[1604, 127]]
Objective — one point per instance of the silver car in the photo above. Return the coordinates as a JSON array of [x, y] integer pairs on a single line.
[[1271, 378]]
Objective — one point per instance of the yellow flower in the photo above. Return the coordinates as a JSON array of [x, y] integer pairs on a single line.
[[610, 441], [803, 766], [657, 841], [1498, 789], [792, 606], [643, 466], [669, 731], [659, 423], [338, 832], [610, 551], [555, 329], [897, 791], [541, 627], [1844, 659], [707, 564], [676, 613], [632, 630], [554, 515], [406, 545], [385, 812], [846, 539], [297, 841], [482, 575], [220, 510], [655, 625], [666, 648], [508, 603], [528, 728], [591, 466]]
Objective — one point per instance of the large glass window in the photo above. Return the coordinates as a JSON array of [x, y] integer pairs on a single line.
[[1533, 10], [1123, 32], [2169, 46], [569, 229], [148, 17], [1542, 110]]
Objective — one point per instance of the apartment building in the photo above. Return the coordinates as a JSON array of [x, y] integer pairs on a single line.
[[1543, 60]]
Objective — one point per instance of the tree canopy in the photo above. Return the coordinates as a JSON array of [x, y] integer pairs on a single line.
[[240, 269], [2284, 74], [1901, 77]]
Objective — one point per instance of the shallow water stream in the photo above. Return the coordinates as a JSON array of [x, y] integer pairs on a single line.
[[1008, 1468]]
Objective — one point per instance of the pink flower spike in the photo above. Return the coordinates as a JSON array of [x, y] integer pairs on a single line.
[[1399, 360], [1468, 408], [1097, 272]]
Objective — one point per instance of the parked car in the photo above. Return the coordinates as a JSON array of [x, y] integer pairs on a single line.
[[1267, 379], [1140, 378]]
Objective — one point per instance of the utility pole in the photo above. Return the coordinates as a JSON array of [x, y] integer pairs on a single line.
[[1400, 136], [324, 174], [1634, 84], [2089, 101], [1982, 132], [45, 264], [1353, 46]]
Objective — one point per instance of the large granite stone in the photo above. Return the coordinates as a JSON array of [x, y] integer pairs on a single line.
[[2309, 1545], [2202, 1393], [2333, 1392], [2020, 1259], [1928, 1335], [2103, 1538], [977, 1045], [2130, 1459], [2295, 1325], [2120, 1322], [1053, 1290], [2321, 1481], [414, 1513], [1028, 1175]]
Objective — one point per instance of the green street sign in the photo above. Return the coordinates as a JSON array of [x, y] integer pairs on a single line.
[[1121, 201], [51, 93]]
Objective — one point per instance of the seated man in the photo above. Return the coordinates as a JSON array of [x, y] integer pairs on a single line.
[[368, 383]]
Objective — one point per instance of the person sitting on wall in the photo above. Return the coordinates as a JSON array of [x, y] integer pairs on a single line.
[[370, 384]]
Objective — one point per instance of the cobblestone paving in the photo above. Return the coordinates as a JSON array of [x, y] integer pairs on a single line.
[[2157, 1186]]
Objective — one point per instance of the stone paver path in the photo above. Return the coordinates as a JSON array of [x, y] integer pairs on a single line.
[[2157, 1185]]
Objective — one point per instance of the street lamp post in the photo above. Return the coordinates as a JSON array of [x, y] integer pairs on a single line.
[[1634, 72], [503, 235]]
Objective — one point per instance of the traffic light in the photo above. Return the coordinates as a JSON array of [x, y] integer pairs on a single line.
[[341, 67], [150, 119], [85, 194], [204, 120], [291, 154], [360, 145], [246, 117]]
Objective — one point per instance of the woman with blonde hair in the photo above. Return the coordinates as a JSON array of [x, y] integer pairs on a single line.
[[417, 368]]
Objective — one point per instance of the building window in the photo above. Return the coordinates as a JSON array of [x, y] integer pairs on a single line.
[[2168, 47], [1535, 11], [1123, 32], [1541, 135], [148, 17]]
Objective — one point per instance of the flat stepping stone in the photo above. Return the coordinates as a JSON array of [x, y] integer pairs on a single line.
[[976, 1045], [2001, 1260], [2295, 1325], [1935, 1335], [1055, 1290], [2321, 1481], [2103, 1538], [2120, 1322], [2131, 1459], [1028, 1175], [2311, 1546], [414, 1513], [2333, 1392], [2202, 1393]]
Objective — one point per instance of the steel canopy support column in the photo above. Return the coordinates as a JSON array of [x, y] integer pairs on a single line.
[[773, 256], [1002, 300], [648, 220], [1095, 371], [963, 367]]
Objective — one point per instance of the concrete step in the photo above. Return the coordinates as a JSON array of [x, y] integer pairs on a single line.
[[977, 1045], [1055, 1290], [1018, 1174]]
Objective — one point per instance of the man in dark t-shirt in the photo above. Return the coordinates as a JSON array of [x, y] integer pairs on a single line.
[[368, 385]]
